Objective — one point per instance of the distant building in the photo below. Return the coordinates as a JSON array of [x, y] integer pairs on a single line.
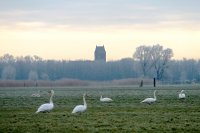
[[100, 53]]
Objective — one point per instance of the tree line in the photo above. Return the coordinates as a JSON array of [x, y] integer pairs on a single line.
[[147, 62]]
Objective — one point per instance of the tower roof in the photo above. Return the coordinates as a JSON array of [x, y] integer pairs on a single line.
[[100, 49], [100, 53]]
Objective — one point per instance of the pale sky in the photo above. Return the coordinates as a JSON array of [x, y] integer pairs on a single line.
[[71, 29]]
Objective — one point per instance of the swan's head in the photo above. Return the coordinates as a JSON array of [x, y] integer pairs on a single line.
[[84, 94], [182, 91], [155, 91], [51, 92]]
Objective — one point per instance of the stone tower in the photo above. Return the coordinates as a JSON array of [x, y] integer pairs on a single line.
[[100, 53]]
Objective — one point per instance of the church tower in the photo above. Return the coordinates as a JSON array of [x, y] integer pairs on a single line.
[[100, 53]]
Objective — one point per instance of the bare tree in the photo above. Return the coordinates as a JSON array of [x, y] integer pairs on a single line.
[[153, 57], [143, 54], [7, 58], [37, 58], [160, 58], [28, 59]]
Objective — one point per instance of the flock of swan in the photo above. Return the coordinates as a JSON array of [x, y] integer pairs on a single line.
[[81, 108]]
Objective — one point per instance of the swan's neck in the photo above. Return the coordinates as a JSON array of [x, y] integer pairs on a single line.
[[101, 97], [84, 101], [154, 95], [51, 101]]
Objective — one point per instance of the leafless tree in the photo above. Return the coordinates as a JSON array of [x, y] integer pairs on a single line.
[[142, 54], [7, 58], [153, 57], [160, 58]]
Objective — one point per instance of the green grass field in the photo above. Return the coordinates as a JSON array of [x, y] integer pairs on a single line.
[[124, 114]]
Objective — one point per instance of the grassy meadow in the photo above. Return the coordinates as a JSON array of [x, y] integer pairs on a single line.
[[125, 114]]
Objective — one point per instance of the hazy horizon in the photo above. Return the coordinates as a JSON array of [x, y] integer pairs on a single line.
[[70, 30]]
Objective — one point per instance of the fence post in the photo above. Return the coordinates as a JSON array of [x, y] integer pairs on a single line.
[[141, 83], [154, 82]]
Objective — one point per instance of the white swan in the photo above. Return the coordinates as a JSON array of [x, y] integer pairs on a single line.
[[181, 95], [80, 108], [47, 106], [105, 99], [150, 100]]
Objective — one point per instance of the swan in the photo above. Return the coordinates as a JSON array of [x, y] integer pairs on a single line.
[[80, 108], [105, 99], [150, 100], [181, 95], [47, 106], [36, 94]]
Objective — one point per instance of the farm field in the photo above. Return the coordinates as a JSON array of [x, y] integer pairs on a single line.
[[124, 114]]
